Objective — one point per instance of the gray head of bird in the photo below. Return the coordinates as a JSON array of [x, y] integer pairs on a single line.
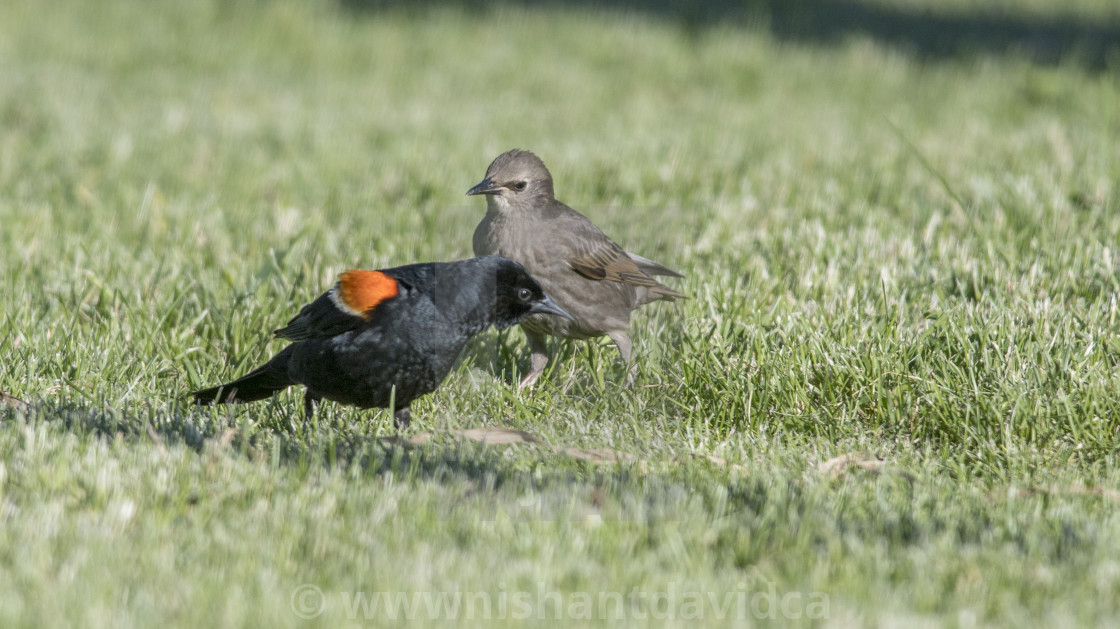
[[515, 180]]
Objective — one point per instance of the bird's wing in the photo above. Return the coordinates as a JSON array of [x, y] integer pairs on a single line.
[[350, 304], [597, 257]]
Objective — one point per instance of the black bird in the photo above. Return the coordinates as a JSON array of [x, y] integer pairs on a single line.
[[381, 338], [590, 276]]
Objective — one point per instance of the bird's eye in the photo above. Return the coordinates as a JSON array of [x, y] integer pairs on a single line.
[[524, 294], [519, 186]]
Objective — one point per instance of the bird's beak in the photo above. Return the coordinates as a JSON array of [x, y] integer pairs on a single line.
[[486, 186], [547, 306]]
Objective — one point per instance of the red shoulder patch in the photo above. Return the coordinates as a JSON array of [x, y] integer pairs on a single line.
[[361, 291]]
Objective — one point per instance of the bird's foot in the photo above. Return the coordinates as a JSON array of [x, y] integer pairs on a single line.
[[402, 418], [530, 379], [632, 375]]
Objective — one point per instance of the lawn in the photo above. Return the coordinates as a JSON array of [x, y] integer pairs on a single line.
[[893, 399]]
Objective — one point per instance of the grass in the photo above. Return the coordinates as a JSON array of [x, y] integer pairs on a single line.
[[908, 256]]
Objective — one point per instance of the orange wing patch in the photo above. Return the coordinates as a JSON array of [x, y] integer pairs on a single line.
[[359, 292]]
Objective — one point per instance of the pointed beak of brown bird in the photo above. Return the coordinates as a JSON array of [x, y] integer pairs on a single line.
[[486, 186]]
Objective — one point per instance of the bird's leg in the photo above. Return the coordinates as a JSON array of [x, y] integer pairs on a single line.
[[622, 340], [310, 402], [402, 417], [538, 358]]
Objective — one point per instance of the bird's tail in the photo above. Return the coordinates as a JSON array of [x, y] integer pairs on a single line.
[[258, 384], [656, 289], [664, 292], [649, 267]]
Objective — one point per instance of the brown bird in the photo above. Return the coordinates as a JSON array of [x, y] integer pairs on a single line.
[[596, 281]]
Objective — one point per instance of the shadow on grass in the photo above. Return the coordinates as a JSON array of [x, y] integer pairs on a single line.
[[505, 356], [519, 481], [1058, 38], [275, 435]]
